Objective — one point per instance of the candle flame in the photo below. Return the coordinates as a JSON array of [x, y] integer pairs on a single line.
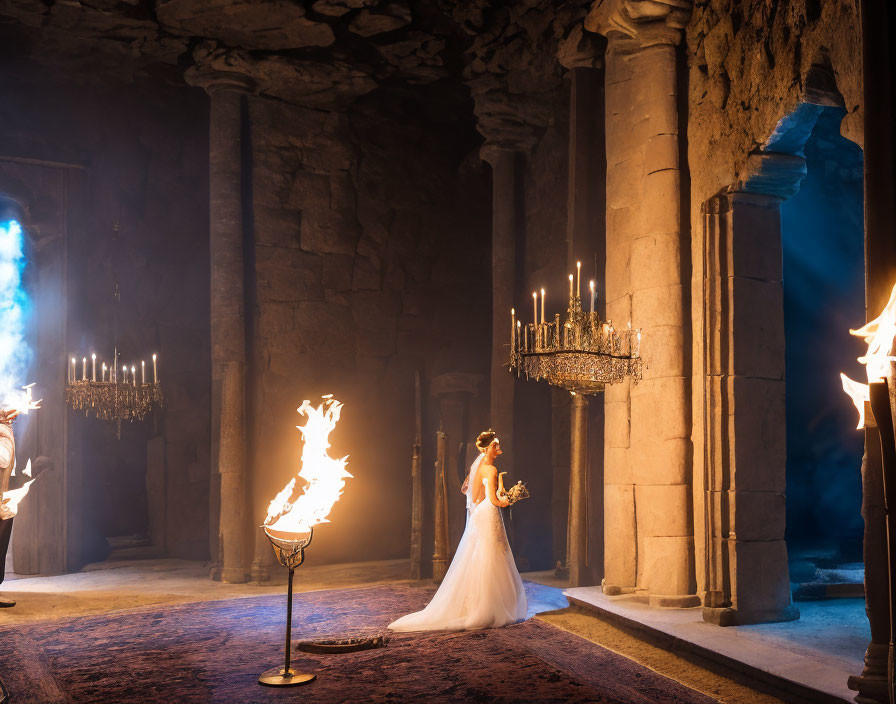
[[878, 334], [325, 476]]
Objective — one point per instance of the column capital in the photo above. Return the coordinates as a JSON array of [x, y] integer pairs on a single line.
[[213, 72], [641, 23], [509, 121], [580, 49], [492, 153]]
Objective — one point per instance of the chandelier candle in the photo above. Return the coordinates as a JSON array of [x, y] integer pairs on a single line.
[[578, 279], [512, 328]]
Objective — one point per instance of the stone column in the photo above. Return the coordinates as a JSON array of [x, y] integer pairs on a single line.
[[581, 54], [649, 544], [454, 392], [228, 316], [744, 578], [578, 571], [506, 223]]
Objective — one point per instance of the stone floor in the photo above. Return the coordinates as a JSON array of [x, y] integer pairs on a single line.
[[816, 653]]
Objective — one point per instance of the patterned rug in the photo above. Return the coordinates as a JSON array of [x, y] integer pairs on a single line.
[[214, 652]]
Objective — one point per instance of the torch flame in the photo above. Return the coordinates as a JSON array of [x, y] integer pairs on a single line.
[[878, 334], [325, 476]]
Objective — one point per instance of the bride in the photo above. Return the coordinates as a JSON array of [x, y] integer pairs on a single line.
[[482, 587]]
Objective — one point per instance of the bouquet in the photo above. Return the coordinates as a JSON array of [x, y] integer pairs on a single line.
[[517, 492]]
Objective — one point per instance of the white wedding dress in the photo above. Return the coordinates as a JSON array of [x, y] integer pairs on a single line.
[[482, 587]]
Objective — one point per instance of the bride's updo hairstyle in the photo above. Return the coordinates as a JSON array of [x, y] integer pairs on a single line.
[[485, 439]]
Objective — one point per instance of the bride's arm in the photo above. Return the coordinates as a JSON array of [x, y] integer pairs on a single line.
[[493, 489]]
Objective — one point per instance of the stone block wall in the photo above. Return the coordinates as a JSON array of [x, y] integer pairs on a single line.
[[371, 243]]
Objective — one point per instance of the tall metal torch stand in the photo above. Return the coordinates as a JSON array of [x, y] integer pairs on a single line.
[[880, 402], [290, 553]]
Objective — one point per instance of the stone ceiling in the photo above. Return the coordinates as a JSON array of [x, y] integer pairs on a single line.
[[317, 53]]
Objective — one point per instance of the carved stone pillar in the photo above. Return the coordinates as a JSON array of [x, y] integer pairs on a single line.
[[582, 55], [744, 575], [454, 392], [649, 543], [507, 183], [228, 319]]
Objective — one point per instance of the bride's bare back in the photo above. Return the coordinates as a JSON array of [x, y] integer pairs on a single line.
[[487, 474]]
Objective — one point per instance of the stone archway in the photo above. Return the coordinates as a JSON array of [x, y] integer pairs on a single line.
[[742, 557]]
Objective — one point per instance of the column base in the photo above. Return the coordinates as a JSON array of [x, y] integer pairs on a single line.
[[673, 601], [872, 685], [259, 574], [728, 616], [233, 575]]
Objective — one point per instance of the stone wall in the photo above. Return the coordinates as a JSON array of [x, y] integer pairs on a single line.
[[142, 151], [748, 65], [372, 261]]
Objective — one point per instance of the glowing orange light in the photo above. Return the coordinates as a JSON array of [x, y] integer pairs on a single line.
[[325, 475], [878, 334]]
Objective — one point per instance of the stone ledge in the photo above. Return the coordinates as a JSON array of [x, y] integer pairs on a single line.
[[792, 672]]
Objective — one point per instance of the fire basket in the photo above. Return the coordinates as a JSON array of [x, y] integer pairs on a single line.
[[290, 552]]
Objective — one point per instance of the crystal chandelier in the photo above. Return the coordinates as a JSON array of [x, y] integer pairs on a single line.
[[581, 354], [115, 396], [122, 392]]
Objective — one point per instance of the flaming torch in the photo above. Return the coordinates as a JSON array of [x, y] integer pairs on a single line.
[[292, 514], [878, 396]]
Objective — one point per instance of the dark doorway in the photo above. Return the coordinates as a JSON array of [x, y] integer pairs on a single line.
[[823, 248]]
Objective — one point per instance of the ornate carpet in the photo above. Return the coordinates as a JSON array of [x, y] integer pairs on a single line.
[[214, 651]]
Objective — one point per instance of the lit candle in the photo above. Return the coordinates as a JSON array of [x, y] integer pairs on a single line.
[[84, 369], [542, 306], [512, 327], [155, 375], [104, 371], [93, 367], [570, 287], [518, 326], [591, 285], [124, 373], [578, 279], [143, 371], [133, 375], [535, 307]]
